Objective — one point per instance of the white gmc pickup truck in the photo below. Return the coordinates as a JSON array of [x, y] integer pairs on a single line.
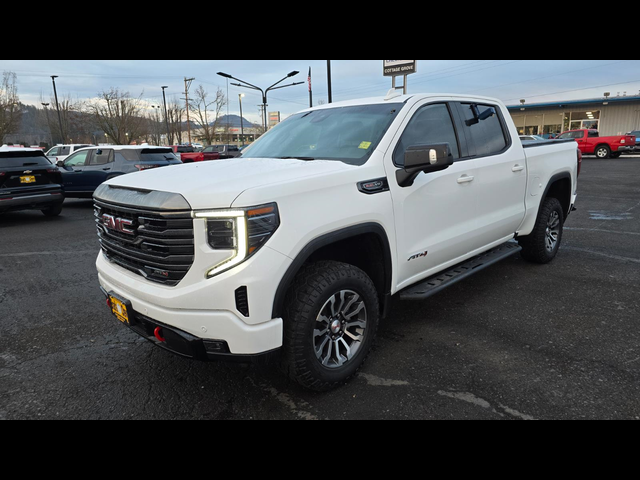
[[295, 248]]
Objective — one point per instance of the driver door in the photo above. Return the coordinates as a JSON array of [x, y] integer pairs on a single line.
[[72, 169], [436, 215]]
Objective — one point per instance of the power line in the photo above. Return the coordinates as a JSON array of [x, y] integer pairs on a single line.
[[573, 90], [548, 76]]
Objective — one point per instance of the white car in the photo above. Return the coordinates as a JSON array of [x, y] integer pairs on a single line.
[[296, 251], [536, 138], [60, 152]]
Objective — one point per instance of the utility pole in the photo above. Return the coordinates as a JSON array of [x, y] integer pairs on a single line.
[[166, 119], [187, 85], [53, 79]]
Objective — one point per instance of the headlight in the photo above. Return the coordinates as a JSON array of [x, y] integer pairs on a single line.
[[242, 231]]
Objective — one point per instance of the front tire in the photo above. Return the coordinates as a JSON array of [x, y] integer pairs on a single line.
[[542, 244], [331, 318]]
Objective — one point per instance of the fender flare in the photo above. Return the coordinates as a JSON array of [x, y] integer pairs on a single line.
[[552, 180], [327, 239]]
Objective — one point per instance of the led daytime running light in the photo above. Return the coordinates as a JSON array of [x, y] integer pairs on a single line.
[[240, 252]]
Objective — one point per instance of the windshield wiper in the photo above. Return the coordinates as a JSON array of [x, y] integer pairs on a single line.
[[297, 158]]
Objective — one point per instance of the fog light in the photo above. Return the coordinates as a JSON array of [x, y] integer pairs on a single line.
[[215, 346]]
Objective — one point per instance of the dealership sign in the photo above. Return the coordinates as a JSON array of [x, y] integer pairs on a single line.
[[392, 68]]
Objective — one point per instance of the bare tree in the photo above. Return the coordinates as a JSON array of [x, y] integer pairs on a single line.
[[10, 111], [118, 115], [207, 111], [175, 112]]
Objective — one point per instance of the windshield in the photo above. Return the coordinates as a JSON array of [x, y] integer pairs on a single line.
[[348, 134]]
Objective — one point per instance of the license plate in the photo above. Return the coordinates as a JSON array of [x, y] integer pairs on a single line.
[[119, 309], [29, 179]]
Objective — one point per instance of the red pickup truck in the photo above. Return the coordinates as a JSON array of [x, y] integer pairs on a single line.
[[188, 154], [590, 142]]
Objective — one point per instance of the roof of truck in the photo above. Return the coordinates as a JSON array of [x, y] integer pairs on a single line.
[[400, 98]]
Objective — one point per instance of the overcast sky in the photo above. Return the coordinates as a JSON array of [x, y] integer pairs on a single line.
[[509, 80]]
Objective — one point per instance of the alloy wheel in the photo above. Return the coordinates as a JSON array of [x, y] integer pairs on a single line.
[[553, 231], [340, 329]]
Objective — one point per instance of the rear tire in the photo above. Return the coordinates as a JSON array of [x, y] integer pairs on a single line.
[[542, 244], [331, 318], [602, 152], [53, 211]]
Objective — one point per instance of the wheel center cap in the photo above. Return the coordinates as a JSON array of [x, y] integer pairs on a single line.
[[335, 326]]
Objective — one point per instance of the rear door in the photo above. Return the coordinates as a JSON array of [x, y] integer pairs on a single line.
[[501, 174], [98, 167]]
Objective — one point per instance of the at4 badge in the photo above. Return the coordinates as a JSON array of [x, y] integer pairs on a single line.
[[417, 255]]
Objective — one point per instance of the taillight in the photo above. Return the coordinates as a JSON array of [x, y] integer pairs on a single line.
[[145, 167], [579, 161]]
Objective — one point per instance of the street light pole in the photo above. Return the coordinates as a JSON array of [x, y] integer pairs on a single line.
[[55, 93], [263, 92], [166, 119], [46, 111]]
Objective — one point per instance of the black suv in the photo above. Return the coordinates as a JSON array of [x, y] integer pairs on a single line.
[[28, 181]]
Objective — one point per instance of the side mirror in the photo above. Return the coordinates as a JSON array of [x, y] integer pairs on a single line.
[[60, 163], [423, 158]]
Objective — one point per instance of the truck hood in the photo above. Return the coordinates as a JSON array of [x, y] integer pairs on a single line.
[[217, 183]]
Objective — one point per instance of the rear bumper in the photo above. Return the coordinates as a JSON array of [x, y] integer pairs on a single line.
[[625, 148], [32, 200]]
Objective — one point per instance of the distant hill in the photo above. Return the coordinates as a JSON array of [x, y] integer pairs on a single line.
[[234, 121]]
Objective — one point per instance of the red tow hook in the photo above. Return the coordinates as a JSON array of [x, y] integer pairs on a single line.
[[158, 334]]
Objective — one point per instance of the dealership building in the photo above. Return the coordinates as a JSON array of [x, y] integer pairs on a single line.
[[609, 115]]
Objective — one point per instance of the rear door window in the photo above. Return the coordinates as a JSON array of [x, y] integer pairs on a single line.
[[101, 157], [484, 129]]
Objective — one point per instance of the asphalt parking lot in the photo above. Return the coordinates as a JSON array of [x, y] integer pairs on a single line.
[[516, 341]]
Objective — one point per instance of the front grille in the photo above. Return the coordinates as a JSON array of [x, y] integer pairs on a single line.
[[157, 245]]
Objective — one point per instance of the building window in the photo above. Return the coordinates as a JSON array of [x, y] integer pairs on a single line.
[[582, 120]]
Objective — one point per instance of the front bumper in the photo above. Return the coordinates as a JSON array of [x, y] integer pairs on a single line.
[[207, 309], [184, 344]]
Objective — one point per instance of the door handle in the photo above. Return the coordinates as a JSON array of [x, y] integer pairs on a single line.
[[517, 168], [465, 179], [105, 169]]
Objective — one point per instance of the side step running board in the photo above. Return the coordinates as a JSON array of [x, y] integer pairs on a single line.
[[442, 280]]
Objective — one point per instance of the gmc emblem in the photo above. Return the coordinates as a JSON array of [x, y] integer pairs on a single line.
[[118, 224]]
